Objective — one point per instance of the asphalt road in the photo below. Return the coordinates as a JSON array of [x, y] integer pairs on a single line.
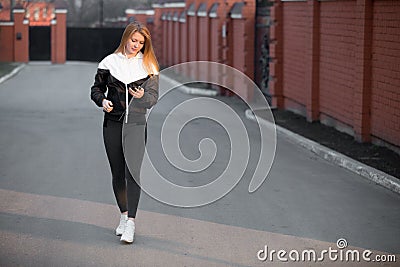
[[57, 206]]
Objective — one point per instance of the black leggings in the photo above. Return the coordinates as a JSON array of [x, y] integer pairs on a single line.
[[126, 189]]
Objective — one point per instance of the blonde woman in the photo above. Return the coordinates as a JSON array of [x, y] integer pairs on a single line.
[[125, 86]]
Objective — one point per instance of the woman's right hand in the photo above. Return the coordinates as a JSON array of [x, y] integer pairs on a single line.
[[107, 105]]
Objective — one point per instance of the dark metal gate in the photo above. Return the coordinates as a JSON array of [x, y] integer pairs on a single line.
[[262, 57], [92, 44], [39, 43]]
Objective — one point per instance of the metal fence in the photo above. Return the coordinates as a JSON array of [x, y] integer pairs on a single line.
[[92, 44]]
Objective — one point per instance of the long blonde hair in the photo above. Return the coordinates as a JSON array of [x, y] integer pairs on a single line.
[[150, 62]]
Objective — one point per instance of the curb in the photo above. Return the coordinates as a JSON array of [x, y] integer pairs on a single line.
[[12, 73], [334, 157]]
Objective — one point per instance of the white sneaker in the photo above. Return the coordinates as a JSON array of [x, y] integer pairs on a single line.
[[129, 233], [121, 227]]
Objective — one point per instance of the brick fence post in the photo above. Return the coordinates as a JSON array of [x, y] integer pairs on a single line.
[[21, 36], [164, 39], [176, 33], [59, 37], [204, 41], [363, 69], [312, 60], [157, 33], [193, 33], [170, 38], [183, 35], [276, 53]]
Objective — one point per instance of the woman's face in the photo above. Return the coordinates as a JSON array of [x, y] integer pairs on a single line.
[[134, 44]]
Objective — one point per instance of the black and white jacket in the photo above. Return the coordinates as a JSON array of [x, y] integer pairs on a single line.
[[115, 74]]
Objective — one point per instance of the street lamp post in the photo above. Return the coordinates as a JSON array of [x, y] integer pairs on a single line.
[[11, 10], [101, 13]]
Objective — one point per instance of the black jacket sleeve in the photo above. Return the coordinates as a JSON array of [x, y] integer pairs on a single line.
[[150, 95], [97, 91]]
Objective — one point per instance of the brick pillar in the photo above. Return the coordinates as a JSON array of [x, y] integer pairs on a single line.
[[215, 46], [183, 35], [59, 37], [276, 53], [157, 32], [170, 37], [215, 39], [238, 56], [312, 60], [176, 35], [191, 20], [363, 69], [241, 55], [21, 36], [226, 6], [219, 42], [164, 40], [150, 26], [182, 42], [204, 38], [249, 14]]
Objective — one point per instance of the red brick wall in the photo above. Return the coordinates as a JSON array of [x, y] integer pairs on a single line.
[[13, 49], [339, 62], [7, 43], [337, 59], [160, 36], [196, 43], [385, 97], [294, 23]]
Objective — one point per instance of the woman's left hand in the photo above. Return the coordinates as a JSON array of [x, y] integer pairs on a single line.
[[138, 93]]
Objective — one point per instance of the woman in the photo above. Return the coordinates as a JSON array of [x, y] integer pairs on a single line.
[[129, 76]]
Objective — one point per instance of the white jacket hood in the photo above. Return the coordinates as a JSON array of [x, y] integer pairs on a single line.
[[126, 70]]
